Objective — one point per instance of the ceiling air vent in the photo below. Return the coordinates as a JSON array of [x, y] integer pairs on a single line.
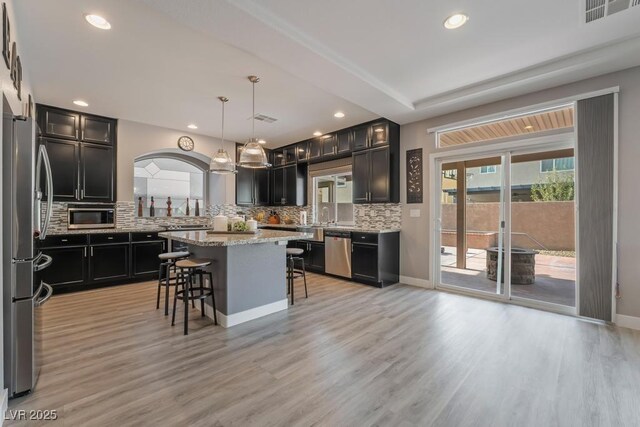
[[598, 9], [264, 118]]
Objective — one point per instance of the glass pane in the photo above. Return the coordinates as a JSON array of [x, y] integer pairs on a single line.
[[543, 265], [333, 198], [471, 215], [162, 178]]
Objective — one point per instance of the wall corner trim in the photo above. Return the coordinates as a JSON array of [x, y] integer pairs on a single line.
[[630, 322], [414, 281], [5, 405]]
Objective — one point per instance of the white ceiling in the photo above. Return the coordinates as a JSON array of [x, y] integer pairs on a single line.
[[165, 61]]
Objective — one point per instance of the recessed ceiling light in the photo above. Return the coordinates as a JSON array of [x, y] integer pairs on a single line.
[[456, 20], [98, 22], [192, 126], [81, 103], [317, 133], [339, 115], [262, 141]]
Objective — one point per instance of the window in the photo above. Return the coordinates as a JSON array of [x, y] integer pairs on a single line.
[[164, 177], [557, 165], [333, 198], [488, 169]]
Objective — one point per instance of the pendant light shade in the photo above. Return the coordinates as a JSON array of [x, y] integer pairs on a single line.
[[221, 163], [252, 155]]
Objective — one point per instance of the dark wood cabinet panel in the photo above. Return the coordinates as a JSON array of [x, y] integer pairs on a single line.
[[261, 187], [64, 156], [290, 155], [379, 185], [291, 186], [144, 258], [315, 148], [108, 262], [288, 185], [360, 138], [244, 187], [302, 151], [252, 185], [97, 129], [375, 258], [278, 186], [313, 255], [68, 266], [97, 173], [59, 123], [329, 147], [379, 134], [361, 176], [364, 261], [343, 141], [278, 158]]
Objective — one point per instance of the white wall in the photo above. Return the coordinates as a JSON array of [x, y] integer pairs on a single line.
[[414, 256], [136, 139], [17, 106]]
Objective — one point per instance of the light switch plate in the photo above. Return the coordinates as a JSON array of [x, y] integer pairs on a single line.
[[414, 213]]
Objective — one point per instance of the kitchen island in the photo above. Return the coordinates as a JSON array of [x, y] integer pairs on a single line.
[[248, 271]]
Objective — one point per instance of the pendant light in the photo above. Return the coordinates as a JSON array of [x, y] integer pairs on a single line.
[[221, 163], [252, 155]]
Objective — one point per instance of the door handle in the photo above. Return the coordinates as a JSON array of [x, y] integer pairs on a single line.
[[44, 299], [41, 266], [43, 157]]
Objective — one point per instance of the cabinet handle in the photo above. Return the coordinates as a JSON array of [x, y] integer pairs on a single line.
[[76, 193], [85, 251], [91, 250], [76, 133], [352, 248], [82, 134], [163, 245], [110, 237], [82, 193]]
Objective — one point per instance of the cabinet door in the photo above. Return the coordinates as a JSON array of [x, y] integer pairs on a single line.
[[97, 129], [315, 148], [244, 187], [290, 186], [317, 256], [302, 151], [59, 123], [360, 138], [329, 145], [290, 155], [344, 141], [306, 247], [64, 157], [361, 173], [97, 173], [144, 256], [364, 261], [379, 134], [261, 187], [108, 262], [278, 186], [379, 181], [68, 266], [278, 158]]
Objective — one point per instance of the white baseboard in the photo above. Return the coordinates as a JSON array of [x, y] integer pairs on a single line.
[[630, 322], [5, 405], [226, 321], [413, 281]]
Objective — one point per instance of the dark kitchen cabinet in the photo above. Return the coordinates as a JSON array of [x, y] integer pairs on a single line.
[[379, 134], [315, 148], [375, 258], [97, 173], [313, 255], [288, 186], [68, 266], [95, 129], [329, 145], [376, 176], [58, 123], [302, 151], [144, 257], [252, 185], [278, 157], [343, 141], [64, 156], [360, 138], [82, 151], [108, 262]]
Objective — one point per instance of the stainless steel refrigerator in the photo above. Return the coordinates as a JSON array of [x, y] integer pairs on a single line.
[[24, 168]]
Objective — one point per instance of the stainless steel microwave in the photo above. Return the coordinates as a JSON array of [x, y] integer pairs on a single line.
[[91, 216]]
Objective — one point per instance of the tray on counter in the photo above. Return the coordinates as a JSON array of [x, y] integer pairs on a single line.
[[232, 232]]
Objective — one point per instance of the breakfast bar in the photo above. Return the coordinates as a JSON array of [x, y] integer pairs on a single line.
[[248, 271]]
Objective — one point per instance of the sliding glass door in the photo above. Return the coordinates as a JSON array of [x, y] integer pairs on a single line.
[[505, 225]]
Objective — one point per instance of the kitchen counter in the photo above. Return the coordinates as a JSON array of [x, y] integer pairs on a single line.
[[332, 228], [144, 229], [248, 271], [202, 238]]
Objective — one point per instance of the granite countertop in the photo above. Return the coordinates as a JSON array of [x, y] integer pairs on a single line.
[[201, 238], [142, 229], [333, 228]]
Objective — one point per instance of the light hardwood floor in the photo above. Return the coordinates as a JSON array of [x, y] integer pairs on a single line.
[[350, 355]]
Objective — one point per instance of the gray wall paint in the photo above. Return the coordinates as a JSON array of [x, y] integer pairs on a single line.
[[414, 254], [137, 139]]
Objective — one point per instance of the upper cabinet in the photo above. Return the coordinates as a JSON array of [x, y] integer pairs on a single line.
[[289, 185], [329, 145], [377, 134], [82, 152], [315, 148], [302, 151], [344, 140], [252, 185]]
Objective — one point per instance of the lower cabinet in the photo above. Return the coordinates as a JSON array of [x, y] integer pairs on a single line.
[[69, 266], [364, 261], [375, 258], [313, 255], [144, 257], [108, 262]]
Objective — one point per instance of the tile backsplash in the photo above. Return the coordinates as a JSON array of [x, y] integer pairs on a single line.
[[387, 215]]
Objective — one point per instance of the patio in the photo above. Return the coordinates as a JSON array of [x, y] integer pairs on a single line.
[[555, 276]]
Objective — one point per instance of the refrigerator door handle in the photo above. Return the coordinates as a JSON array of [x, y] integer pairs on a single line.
[[38, 266], [43, 157], [37, 301]]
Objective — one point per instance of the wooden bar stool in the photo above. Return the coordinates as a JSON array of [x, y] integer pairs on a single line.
[[191, 268], [167, 262], [293, 256]]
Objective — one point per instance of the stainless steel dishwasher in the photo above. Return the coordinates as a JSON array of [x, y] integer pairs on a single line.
[[337, 253]]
